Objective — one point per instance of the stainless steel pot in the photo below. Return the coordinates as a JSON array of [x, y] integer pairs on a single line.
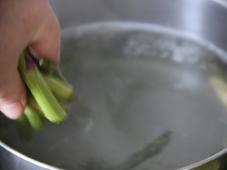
[[198, 18]]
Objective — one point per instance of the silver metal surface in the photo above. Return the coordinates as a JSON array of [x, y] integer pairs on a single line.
[[201, 18]]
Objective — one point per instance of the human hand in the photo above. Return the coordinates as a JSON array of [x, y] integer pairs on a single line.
[[24, 23]]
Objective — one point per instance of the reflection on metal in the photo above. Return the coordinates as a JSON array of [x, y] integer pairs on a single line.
[[28, 159], [193, 15], [221, 2]]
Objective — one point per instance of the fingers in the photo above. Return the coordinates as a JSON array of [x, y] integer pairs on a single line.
[[12, 97], [46, 42], [38, 30], [12, 90]]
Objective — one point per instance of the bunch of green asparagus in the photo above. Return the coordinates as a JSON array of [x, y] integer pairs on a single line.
[[49, 95]]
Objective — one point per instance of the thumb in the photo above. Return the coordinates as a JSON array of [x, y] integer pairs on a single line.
[[46, 42], [12, 96]]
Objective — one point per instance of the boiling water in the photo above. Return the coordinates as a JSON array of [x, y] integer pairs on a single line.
[[133, 83]]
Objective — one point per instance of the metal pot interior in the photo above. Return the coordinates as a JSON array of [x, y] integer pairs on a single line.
[[145, 99]]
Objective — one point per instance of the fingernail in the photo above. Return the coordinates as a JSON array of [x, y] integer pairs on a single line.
[[12, 110]]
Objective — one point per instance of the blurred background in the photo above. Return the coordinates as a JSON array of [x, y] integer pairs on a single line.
[[204, 18]]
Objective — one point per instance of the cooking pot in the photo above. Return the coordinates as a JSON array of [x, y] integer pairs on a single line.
[[146, 75]]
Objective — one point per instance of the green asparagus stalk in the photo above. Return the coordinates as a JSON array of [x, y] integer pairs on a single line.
[[32, 103], [149, 151], [62, 90], [42, 94], [34, 118], [49, 94], [48, 68]]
